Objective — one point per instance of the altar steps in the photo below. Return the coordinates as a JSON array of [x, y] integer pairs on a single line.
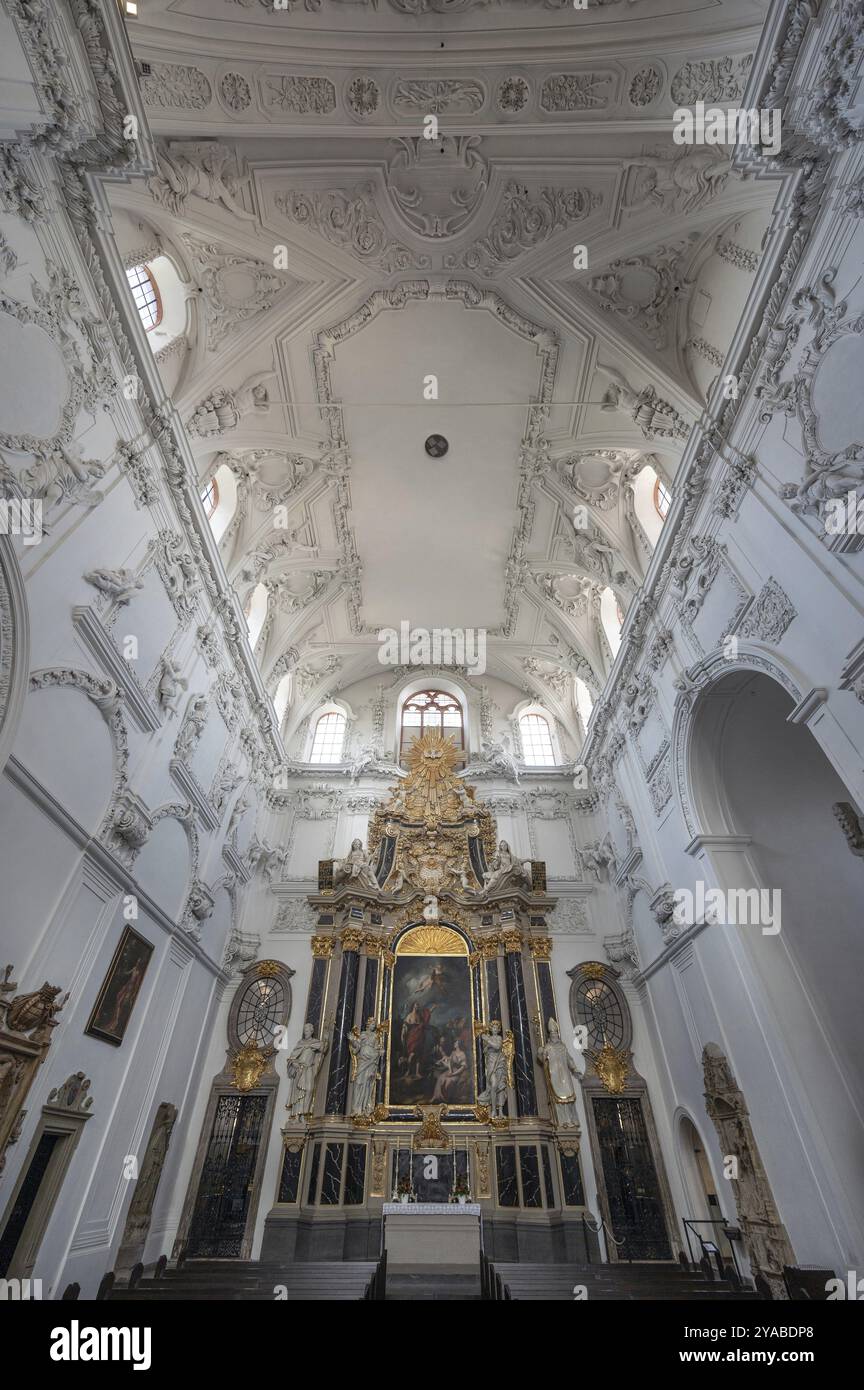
[[606, 1283], [205, 1280]]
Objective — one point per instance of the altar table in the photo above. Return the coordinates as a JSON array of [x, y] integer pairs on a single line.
[[422, 1236]]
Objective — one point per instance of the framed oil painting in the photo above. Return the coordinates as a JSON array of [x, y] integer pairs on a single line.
[[120, 988], [432, 1035]]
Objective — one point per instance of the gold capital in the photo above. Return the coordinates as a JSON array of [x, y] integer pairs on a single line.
[[541, 947]]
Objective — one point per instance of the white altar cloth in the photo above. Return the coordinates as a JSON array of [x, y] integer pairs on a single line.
[[422, 1236]]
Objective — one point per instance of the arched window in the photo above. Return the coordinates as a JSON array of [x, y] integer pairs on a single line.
[[538, 749], [210, 497], [329, 738], [145, 292], [662, 499], [432, 709], [596, 1005]]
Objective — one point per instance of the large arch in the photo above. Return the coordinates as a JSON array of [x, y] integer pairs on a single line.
[[762, 796]]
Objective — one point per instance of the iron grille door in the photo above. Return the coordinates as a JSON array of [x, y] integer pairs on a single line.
[[632, 1187], [225, 1189]]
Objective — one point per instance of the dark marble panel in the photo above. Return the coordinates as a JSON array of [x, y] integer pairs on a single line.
[[370, 988], [547, 1175], [493, 993], [331, 1183], [355, 1175], [529, 1168], [505, 1165], [340, 1060], [289, 1179], [571, 1179], [523, 1065], [313, 1174], [547, 993], [315, 998]]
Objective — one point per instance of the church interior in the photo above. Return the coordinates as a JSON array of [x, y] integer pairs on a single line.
[[431, 650]]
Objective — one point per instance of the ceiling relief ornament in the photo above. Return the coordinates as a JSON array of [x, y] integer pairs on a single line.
[[577, 91], [655, 417], [524, 222], [202, 169], [235, 92], [513, 94], [436, 186], [350, 221], [235, 287], [175, 85], [712, 79], [683, 184], [223, 409], [597, 477], [645, 86], [645, 290], [437, 95], [298, 95], [363, 96]]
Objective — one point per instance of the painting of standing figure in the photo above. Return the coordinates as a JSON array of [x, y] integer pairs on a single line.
[[431, 1052]]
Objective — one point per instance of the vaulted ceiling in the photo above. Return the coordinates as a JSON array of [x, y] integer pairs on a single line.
[[330, 261]]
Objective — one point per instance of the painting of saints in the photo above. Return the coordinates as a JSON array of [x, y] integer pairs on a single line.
[[431, 1036]]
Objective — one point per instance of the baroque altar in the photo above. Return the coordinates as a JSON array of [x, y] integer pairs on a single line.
[[431, 1066]]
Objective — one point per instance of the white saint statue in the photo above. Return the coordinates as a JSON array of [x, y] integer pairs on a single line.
[[304, 1063], [560, 1069], [367, 1049], [496, 1061]]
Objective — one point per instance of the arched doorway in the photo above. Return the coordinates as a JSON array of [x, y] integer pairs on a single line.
[[704, 1214]]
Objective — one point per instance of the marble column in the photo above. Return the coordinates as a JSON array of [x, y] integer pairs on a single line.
[[388, 960], [541, 949], [346, 1004], [523, 1062], [322, 950]]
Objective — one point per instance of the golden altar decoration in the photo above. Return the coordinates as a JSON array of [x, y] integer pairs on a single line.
[[432, 816]]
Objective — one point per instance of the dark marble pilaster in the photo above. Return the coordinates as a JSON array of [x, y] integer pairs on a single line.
[[505, 1171], [571, 1180], [340, 1057], [529, 1169], [355, 1175], [370, 989], [313, 1175], [331, 1182], [547, 1175], [523, 1063], [289, 1178], [315, 997], [546, 993]]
